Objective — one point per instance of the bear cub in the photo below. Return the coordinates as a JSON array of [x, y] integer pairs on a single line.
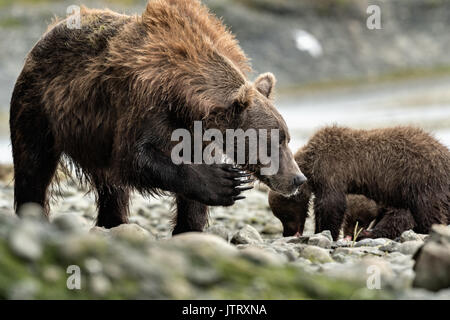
[[404, 170]]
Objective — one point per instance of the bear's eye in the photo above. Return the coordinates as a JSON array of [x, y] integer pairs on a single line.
[[282, 138]]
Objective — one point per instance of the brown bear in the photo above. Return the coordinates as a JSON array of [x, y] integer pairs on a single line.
[[108, 95], [404, 169]]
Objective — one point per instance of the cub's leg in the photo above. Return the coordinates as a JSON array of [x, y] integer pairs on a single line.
[[329, 211], [191, 215]]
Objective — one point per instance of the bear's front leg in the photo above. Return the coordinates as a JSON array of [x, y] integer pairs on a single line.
[[191, 215], [212, 185], [329, 211]]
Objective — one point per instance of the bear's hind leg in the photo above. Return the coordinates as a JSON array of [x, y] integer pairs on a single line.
[[34, 156], [191, 216], [112, 204], [429, 210]]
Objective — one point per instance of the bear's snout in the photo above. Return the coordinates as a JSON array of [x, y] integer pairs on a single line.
[[298, 180]]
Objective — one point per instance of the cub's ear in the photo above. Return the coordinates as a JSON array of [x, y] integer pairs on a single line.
[[244, 96], [265, 84]]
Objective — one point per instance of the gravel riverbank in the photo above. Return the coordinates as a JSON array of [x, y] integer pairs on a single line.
[[242, 255]]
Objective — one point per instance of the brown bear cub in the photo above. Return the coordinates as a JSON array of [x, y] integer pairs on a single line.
[[403, 169], [108, 96]]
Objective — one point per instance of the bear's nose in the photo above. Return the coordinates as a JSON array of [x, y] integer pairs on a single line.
[[299, 180]]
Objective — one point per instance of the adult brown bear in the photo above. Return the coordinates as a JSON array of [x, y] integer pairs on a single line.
[[404, 169], [109, 94]]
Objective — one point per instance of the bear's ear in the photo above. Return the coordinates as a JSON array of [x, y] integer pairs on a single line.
[[244, 96], [265, 84]]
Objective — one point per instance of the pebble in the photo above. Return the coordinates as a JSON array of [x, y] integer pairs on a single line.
[[24, 241], [316, 254], [219, 231], [247, 235], [204, 241], [131, 232], [32, 211], [372, 242], [410, 247], [70, 222], [320, 241], [410, 235], [433, 262], [262, 256]]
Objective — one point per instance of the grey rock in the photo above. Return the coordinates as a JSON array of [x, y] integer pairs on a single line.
[[99, 285], [341, 243], [23, 290], [391, 246], [131, 232], [316, 254], [203, 241], [410, 235], [300, 240], [272, 228], [440, 234], [24, 241], [247, 235], [410, 247], [340, 257], [262, 256], [32, 211], [372, 242], [358, 251], [433, 266], [320, 241], [327, 234], [289, 252], [99, 231], [220, 231], [71, 222]]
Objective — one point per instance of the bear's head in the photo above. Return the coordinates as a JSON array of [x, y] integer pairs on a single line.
[[251, 112]]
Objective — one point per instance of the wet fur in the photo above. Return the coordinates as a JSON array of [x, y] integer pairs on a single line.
[[404, 169], [108, 96]]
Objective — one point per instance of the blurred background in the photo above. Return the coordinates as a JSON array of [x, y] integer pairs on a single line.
[[331, 67]]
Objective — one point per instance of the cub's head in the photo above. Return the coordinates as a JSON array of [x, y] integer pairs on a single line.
[[262, 131]]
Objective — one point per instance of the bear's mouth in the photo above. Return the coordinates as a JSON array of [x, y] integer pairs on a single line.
[[252, 176], [282, 188]]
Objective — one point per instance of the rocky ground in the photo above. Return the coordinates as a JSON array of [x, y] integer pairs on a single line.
[[241, 256]]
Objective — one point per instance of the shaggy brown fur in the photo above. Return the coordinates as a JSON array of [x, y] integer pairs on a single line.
[[109, 95], [404, 169], [360, 211]]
